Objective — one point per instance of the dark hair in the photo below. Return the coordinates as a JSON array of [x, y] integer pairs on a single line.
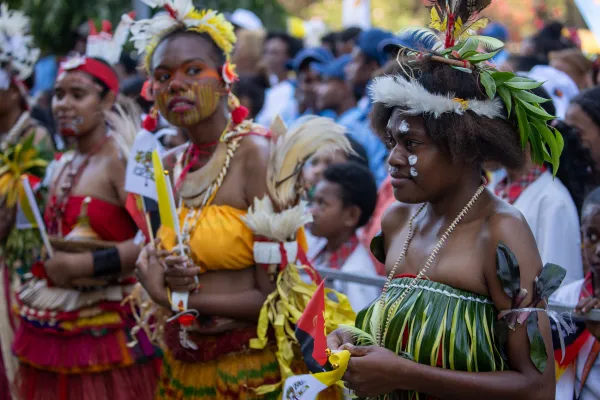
[[526, 63], [129, 63], [592, 199], [470, 137], [293, 45], [220, 57], [349, 34], [329, 40], [589, 101], [577, 168], [247, 87], [358, 187], [550, 39], [361, 156]]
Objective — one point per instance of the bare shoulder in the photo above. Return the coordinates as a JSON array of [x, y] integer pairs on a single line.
[[507, 226], [396, 217], [255, 148]]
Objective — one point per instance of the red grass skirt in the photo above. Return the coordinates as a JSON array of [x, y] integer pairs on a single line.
[[137, 382], [4, 388]]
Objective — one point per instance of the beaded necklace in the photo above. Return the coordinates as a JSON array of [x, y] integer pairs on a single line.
[[387, 317]]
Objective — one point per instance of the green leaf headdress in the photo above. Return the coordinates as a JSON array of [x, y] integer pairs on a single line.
[[463, 50]]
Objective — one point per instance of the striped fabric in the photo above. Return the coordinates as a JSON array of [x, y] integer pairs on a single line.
[[440, 326]]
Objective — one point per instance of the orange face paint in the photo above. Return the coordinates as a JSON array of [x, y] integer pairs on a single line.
[[187, 94]]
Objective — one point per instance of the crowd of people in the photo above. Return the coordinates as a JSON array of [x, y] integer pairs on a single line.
[[468, 177]]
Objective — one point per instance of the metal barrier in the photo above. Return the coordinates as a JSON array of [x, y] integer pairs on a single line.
[[330, 274]]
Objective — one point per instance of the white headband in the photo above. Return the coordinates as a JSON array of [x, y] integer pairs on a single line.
[[397, 91]]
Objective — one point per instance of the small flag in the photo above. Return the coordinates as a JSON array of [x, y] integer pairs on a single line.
[[136, 208], [164, 195], [310, 332], [30, 212], [307, 387], [139, 178]]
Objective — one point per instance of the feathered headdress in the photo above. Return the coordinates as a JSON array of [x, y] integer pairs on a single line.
[[463, 50], [16, 46], [104, 44], [181, 14]]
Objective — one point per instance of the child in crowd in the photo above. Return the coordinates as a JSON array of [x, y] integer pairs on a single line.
[[343, 202], [579, 371]]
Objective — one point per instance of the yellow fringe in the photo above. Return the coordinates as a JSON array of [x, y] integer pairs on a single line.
[[283, 308]]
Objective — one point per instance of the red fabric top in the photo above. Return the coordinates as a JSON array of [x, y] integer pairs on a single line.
[[112, 223]]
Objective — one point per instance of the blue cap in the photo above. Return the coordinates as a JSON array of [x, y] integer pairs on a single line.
[[369, 43], [334, 69], [496, 30], [313, 54]]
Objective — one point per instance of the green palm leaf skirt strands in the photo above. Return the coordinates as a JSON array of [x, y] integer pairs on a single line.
[[438, 325]]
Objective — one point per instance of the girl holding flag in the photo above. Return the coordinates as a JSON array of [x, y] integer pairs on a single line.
[[75, 333], [240, 219]]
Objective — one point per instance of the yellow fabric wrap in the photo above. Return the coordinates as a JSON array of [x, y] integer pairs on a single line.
[[283, 308]]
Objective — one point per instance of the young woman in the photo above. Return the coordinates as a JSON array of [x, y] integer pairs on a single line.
[[17, 128], [229, 350], [74, 335], [435, 324]]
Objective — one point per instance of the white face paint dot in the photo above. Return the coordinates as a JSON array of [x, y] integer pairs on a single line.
[[404, 126], [413, 172], [412, 160]]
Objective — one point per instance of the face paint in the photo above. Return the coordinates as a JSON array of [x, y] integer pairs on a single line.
[[199, 95], [404, 127], [70, 128], [412, 161]]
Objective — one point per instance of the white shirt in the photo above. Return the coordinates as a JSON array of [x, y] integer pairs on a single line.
[[552, 216], [568, 385], [359, 263], [279, 100]]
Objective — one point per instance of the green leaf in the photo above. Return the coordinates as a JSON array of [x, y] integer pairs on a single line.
[[522, 85], [505, 96], [536, 112], [467, 70], [487, 42], [537, 147], [529, 97], [470, 45], [560, 142], [523, 123], [549, 280], [550, 140], [501, 77], [508, 270], [537, 348], [469, 54], [451, 49], [480, 57], [488, 83]]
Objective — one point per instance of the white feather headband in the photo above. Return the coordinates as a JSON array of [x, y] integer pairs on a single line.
[[397, 91], [16, 45]]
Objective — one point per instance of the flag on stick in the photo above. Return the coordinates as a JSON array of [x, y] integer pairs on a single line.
[[310, 332], [28, 210], [164, 194]]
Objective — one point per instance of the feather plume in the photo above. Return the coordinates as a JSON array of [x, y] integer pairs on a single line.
[[109, 47], [282, 226], [396, 91], [292, 149], [16, 44], [419, 39], [462, 13], [124, 121]]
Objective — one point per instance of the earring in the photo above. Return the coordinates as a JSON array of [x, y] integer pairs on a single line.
[[412, 161]]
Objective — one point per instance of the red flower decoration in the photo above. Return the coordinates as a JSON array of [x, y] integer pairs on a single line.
[[150, 122], [239, 114], [186, 320]]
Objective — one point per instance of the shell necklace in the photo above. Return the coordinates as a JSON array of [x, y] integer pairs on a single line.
[[386, 318]]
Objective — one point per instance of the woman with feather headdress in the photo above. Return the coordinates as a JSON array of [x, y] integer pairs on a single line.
[[74, 337], [462, 314], [225, 275]]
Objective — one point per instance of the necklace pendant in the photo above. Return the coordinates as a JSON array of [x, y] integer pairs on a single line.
[[185, 341]]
